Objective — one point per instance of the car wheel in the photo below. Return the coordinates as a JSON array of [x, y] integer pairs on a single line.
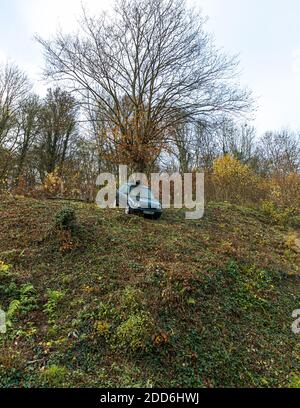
[[156, 216], [128, 210]]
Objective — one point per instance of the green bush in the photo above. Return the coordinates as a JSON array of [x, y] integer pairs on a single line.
[[294, 382], [135, 333], [65, 218], [28, 298], [131, 300], [55, 376], [277, 214], [50, 308]]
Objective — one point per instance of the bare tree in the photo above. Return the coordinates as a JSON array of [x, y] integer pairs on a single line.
[[198, 144], [195, 145], [184, 139], [29, 124], [280, 152], [14, 89], [239, 140], [57, 131], [146, 68]]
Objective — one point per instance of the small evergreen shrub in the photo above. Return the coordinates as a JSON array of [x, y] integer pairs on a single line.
[[65, 218]]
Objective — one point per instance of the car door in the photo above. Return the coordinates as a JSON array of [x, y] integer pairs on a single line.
[[123, 195]]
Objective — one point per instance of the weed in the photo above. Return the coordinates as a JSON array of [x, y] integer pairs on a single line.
[[13, 308], [4, 268], [102, 328], [50, 308], [135, 333], [28, 300], [131, 300], [294, 382], [54, 376]]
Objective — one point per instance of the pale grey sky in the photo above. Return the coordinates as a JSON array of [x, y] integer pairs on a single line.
[[265, 33]]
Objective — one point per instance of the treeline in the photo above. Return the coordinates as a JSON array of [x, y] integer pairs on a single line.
[[41, 139], [144, 86], [51, 147]]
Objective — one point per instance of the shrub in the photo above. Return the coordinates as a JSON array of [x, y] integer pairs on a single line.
[[54, 298], [277, 214], [12, 311], [65, 218], [25, 302], [22, 186], [102, 328], [4, 268], [55, 376], [294, 382], [136, 332], [284, 189], [52, 185], [28, 299], [233, 180], [131, 300]]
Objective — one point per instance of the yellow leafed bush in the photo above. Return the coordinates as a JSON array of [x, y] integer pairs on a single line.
[[234, 181], [284, 189], [53, 184]]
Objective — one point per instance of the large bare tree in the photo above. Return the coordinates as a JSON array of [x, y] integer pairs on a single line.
[[58, 125], [147, 68], [14, 89]]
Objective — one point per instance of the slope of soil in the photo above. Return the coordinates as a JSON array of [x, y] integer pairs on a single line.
[[124, 301]]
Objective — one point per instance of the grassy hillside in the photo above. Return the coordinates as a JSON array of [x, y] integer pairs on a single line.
[[124, 301]]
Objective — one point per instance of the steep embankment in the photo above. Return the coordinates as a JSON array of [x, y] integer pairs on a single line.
[[124, 301]]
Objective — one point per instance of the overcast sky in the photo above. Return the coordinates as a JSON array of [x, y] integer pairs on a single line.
[[265, 33]]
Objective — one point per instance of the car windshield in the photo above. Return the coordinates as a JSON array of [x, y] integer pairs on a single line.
[[142, 193]]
